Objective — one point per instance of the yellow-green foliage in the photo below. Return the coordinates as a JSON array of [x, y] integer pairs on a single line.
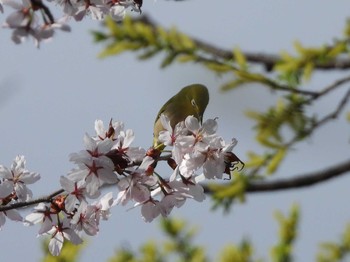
[[307, 57], [178, 245], [123, 255], [225, 194], [288, 112], [69, 253], [283, 250], [136, 36], [241, 253], [240, 59], [336, 252]]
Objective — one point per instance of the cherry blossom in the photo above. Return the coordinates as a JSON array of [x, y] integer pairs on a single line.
[[12, 214], [121, 153], [6, 188], [94, 167], [18, 177], [194, 152], [76, 192], [41, 214], [34, 19], [85, 219], [59, 233], [187, 187], [137, 185], [150, 210], [169, 136], [103, 206]]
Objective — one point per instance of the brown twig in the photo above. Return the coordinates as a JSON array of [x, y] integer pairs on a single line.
[[331, 116], [336, 112], [331, 87], [46, 199]]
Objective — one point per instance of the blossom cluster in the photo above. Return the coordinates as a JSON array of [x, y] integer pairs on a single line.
[[33, 18], [13, 188], [197, 153]]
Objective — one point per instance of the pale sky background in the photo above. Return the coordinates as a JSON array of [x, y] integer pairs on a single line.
[[52, 96]]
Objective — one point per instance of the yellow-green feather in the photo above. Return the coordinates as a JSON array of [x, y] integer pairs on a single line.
[[190, 100]]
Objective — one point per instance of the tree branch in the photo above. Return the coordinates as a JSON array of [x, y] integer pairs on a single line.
[[300, 180], [45, 199], [264, 59], [297, 181]]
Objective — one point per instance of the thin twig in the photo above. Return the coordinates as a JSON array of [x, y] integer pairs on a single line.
[[296, 90], [46, 199], [332, 86], [331, 116], [336, 112]]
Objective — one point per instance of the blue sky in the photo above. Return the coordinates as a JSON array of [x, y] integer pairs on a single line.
[[52, 96]]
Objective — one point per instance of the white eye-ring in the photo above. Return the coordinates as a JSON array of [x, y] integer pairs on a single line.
[[193, 102]]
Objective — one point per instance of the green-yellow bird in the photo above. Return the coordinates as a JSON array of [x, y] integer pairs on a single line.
[[191, 100]]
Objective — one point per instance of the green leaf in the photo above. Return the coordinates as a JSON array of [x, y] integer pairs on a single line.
[[335, 251], [112, 26], [218, 67], [337, 49], [149, 53], [276, 160], [168, 59], [308, 69], [283, 250], [186, 58], [99, 36], [233, 84], [254, 160], [231, 253], [240, 58], [186, 42], [117, 48]]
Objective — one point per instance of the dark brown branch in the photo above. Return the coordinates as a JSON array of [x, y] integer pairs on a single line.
[[46, 199], [264, 59], [300, 180], [252, 187], [268, 60]]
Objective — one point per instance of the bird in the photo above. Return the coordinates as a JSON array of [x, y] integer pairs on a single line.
[[190, 100]]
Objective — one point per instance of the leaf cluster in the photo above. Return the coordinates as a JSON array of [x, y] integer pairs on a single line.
[[336, 251], [133, 35]]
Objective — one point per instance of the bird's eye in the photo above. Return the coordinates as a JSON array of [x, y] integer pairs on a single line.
[[193, 102]]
